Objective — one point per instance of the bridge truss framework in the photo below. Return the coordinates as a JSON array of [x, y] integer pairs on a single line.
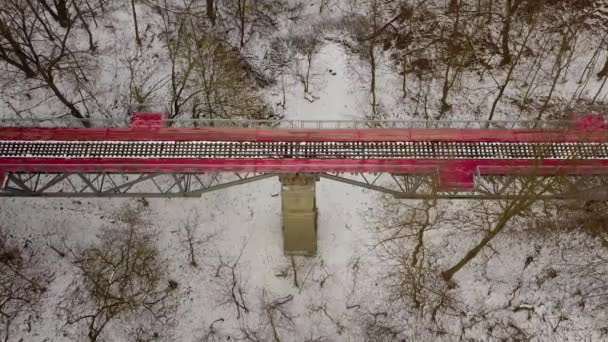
[[153, 157], [188, 184]]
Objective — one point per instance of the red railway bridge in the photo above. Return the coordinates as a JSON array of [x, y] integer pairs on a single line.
[[64, 161], [408, 159]]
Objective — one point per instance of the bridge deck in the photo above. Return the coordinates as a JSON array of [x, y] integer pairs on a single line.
[[417, 150], [456, 154]]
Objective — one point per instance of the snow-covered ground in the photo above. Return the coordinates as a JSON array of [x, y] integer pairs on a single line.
[[346, 292], [247, 218]]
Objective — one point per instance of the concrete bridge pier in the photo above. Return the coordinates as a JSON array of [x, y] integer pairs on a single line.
[[299, 214]]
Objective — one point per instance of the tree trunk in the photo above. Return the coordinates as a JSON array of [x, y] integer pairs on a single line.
[[404, 78], [137, 39], [242, 6], [558, 68], [599, 91], [526, 197], [22, 64], [506, 28], [502, 88], [444, 105], [604, 71], [449, 62], [471, 254], [73, 110], [372, 62], [283, 88], [92, 46], [211, 11], [62, 13], [490, 9], [453, 6], [372, 58], [309, 59]]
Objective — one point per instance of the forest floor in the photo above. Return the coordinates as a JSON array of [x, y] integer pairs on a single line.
[[344, 293]]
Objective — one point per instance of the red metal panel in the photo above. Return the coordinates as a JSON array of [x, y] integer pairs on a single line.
[[590, 122], [151, 120], [249, 134], [548, 166], [457, 175], [453, 174]]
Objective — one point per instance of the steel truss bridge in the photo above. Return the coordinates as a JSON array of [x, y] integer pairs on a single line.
[[154, 157]]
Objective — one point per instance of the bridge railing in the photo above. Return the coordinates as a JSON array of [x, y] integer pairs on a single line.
[[62, 122], [350, 124], [298, 124]]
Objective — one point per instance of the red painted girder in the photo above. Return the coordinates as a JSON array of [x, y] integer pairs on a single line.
[[147, 120], [547, 166], [250, 134]]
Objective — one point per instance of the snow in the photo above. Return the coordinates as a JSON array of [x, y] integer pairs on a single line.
[[248, 216], [346, 286]]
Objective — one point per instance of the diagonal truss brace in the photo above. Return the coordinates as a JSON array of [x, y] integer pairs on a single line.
[[404, 186], [103, 184], [507, 187]]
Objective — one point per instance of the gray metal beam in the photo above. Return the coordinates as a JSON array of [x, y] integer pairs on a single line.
[[361, 184], [118, 185], [172, 185], [404, 192]]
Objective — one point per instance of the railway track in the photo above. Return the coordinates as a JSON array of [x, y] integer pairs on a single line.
[[303, 150]]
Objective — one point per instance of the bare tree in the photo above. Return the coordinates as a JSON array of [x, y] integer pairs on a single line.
[[192, 238], [250, 16], [82, 10], [374, 14], [135, 26], [241, 14], [32, 46], [175, 27], [525, 190], [408, 251], [274, 319], [604, 72], [209, 78], [277, 315], [457, 51], [323, 5], [231, 284], [122, 278], [211, 11], [144, 84], [306, 42], [511, 7], [559, 66], [59, 13], [336, 321], [214, 334], [280, 58], [411, 272], [22, 284], [454, 5], [587, 212], [512, 65]]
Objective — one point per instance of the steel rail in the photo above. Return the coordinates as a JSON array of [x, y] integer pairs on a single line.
[[448, 150]]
